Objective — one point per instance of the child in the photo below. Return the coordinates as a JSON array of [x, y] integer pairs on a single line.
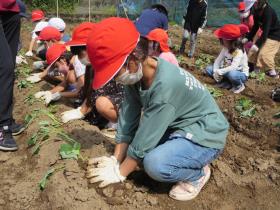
[[195, 21], [150, 19], [57, 56], [60, 25], [38, 17], [159, 46], [231, 67], [263, 52]]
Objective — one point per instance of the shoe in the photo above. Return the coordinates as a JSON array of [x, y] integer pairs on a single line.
[[109, 132], [16, 128], [184, 191], [273, 74], [190, 55], [7, 142], [225, 85], [238, 89]]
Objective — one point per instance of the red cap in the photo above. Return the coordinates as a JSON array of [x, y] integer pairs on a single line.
[[49, 33], [241, 6], [54, 52], [160, 36], [37, 15], [109, 45], [244, 29], [228, 32], [80, 34]]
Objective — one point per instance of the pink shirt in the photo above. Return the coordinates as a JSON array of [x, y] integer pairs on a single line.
[[170, 57]]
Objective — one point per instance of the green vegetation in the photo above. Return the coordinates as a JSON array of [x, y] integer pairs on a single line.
[[245, 107], [203, 61]]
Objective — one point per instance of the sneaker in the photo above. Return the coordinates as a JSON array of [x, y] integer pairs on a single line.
[[184, 191], [109, 132], [273, 74], [17, 128], [238, 89], [7, 142], [225, 85]]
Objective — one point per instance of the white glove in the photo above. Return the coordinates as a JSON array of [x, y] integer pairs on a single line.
[[102, 162], [20, 59], [34, 78], [48, 97], [29, 54], [217, 77], [109, 174], [244, 41], [74, 114], [199, 31], [40, 94], [254, 48]]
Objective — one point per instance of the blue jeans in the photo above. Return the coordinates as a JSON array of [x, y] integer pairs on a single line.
[[178, 159], [236, 78]]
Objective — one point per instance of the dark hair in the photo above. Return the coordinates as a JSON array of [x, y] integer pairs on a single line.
[[76, 50], [87, 89], [142, 49], [234, 45], [161, 8], [67, 56]]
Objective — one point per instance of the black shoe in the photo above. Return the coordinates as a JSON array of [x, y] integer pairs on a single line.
[[7, 142], [16, 128]]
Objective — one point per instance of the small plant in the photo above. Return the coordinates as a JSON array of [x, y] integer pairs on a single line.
[[24, 84], [245, 107], [277, 116], [215, 92], [70, 151], [203, 60], [253, 75], [50, 172], [261, 77], [23, 71], [180, 59]]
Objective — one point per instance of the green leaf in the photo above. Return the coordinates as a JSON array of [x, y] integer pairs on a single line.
[[277, 124], [36, 149], [277, 115], [68, 151], [253, 75], [32, 140], [215, 92], [43, 181], [44, 123], [248, 113]]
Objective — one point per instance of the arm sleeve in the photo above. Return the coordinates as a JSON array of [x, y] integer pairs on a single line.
[[254, 30], [203, 19], [130, 113], [266, 28], [154, 123], [218, 60], [234, 64]]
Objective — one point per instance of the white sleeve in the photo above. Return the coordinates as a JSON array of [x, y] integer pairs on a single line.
[[79, 68], [235, 64], [219, 59], [34, 36]]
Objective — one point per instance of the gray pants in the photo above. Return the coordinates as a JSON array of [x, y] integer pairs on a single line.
[[186, 36]]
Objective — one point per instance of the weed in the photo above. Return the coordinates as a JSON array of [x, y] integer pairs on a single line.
[[245, 107], [68, 151], [215, 92], [24, 84], [50, 172], [203, 60]]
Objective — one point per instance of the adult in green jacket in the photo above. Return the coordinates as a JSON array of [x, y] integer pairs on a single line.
[[168, 122]]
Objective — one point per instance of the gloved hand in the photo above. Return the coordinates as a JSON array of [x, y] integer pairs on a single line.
[[29, 54], [102, 162], [74, 114], [34, 78], [20, 59], [217, 77], [48, 97], [200, 30], [40, 94], [244, 40], [109, 174], [254, 48]]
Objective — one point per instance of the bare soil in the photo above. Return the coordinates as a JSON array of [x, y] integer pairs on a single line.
[[245, 176]]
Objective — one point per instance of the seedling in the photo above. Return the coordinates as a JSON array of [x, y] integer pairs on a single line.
[[203, 60], [24, 84], [68, 151], [215, 92], [23, 71], [277, 115], [48, 174], [261, 77], [180, 59], [253, 75], [245, 107]]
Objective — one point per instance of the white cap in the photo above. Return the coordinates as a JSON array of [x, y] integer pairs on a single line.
[[249, 4], [57, 23], [40, 26]]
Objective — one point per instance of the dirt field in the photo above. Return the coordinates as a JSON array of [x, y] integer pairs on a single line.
[[246, 176]]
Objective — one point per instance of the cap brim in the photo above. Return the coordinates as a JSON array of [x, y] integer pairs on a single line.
[[100, 79], [75, 43], [217, 33]]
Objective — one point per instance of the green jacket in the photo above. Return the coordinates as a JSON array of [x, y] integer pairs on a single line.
[[175, 102]]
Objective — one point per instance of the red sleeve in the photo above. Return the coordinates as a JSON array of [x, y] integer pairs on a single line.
[[8, 6]]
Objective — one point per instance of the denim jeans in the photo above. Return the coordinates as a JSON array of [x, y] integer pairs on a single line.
[[178, 159], [236, 78]]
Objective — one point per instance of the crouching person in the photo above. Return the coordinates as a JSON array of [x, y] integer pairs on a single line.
[[175, 136], [231, 68]]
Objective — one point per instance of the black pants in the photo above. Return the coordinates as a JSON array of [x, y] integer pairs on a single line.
[[9, 38]]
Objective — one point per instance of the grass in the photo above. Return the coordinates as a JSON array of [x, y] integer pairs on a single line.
[[245, 107]]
